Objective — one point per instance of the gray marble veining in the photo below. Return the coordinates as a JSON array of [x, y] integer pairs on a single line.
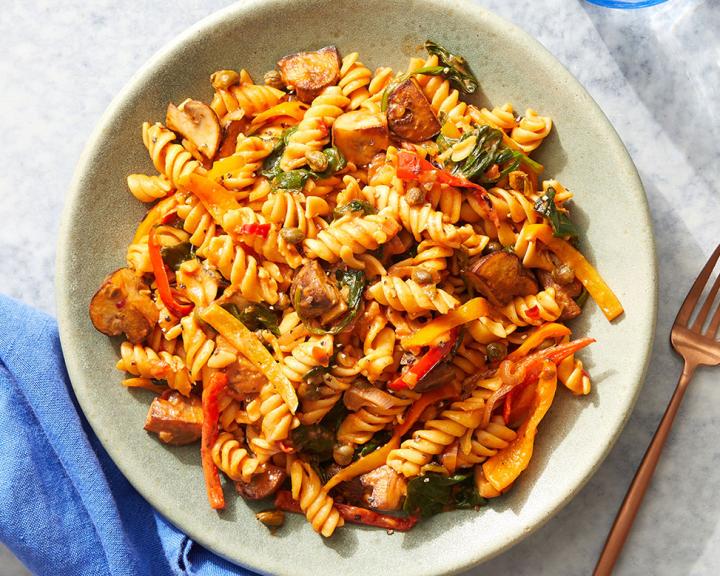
[[656, 74]]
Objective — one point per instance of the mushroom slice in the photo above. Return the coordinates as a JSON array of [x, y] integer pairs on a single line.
[[312, 292], [500, 276], [310, 72], [409, 113], [386, 487], [123, 304], [361, 134], [263, 484], [175, 418], [197, 122]]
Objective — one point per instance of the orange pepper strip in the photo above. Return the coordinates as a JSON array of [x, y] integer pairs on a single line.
[[584, 271], [378, 457], [295, 110], [216, 198], [211, 413], [154, 215], [503, 469], [471, 310], [549, 330], [250, 346]]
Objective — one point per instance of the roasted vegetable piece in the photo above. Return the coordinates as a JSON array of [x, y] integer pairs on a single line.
[[312, 291], [262, 485], [175, 418], [123, 304], [310, 72], [564, 294], [197, 122], [244, 377], [409, 113], [361, 134], [386, 488], [500, 276]]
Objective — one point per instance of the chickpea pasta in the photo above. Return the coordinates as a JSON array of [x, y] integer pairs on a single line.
[[351, 275]]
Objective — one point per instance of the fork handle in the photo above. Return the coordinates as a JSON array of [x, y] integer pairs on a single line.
[[636, 492]]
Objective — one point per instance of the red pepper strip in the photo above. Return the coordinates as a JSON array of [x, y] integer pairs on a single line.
[[431, 359], [533, 312], [211, 413], [413, 167], [507, 406], [255, 229], [521, 373], [161, 277], [443, 392], [355, 514]]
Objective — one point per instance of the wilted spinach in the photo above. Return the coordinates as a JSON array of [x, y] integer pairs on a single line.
[[562, 225], [431, 494], [255, 316], [175, 255]]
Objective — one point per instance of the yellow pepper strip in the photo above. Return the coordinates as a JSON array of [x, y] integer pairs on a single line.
[[216, 198], [225, 165], [471, 310], [503, 469], [249, 344], [590, 278], [145, 384], [294, 110], [549, 330], [155, 214], [379, 457]]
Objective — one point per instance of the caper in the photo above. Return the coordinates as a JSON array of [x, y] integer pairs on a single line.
[[292, 235], [317, 161], [273, 79], [563, 274], [496, 351], [422, 276], [493, 246], [271, 518], [223, 79], [415, 196]]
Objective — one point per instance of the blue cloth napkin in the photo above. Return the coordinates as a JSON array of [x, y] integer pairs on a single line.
[[65, 508]]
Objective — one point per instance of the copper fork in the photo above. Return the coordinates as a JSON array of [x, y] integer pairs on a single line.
[[697, 346]]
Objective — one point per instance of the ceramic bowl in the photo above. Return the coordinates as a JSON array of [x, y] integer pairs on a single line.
[[583, 152]]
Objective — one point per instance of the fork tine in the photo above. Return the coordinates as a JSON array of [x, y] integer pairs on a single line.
[[683, 316], [707, 306], [714, 324]]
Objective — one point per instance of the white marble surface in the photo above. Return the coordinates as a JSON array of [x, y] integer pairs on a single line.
[[656, 74]]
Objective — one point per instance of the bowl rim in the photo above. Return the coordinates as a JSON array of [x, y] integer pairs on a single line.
[[238, 9]]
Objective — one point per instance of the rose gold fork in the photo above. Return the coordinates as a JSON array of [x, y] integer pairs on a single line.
[[697, 347]]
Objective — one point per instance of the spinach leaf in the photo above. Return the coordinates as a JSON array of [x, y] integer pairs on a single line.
[[175, 255], [489, 150], [455, 68], [354, 206], [255, 316], [319, 439], [293, 180], [431, 494], [379, 439], [336, 162], [562, 225]]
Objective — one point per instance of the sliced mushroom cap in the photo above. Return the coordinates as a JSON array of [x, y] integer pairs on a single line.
[[175, 418], [360, 135], [244, 377], [197, 122], [409, 113], [310, 72], [387, 488], [500, 276], [123, 304], [312, 291], [262, 485]]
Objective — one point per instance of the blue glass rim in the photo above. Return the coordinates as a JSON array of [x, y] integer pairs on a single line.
[[625, 4]]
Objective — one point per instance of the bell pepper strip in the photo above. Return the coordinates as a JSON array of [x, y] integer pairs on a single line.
[[145, 384], [161, 278], [226, 165], [502, 469], [353, 514], [216, 198], [295, 110], [537, 337], [378, 457], [413, 167], [471, 310], [154, 215], [255, 229], [526, 371], [250, 346], [431, 359], [211, 414], [521, 399], [584, 271]]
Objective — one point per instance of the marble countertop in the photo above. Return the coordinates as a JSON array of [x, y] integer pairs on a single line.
[[656, 74]]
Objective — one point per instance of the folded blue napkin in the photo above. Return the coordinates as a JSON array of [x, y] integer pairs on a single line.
[[65, 508]]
